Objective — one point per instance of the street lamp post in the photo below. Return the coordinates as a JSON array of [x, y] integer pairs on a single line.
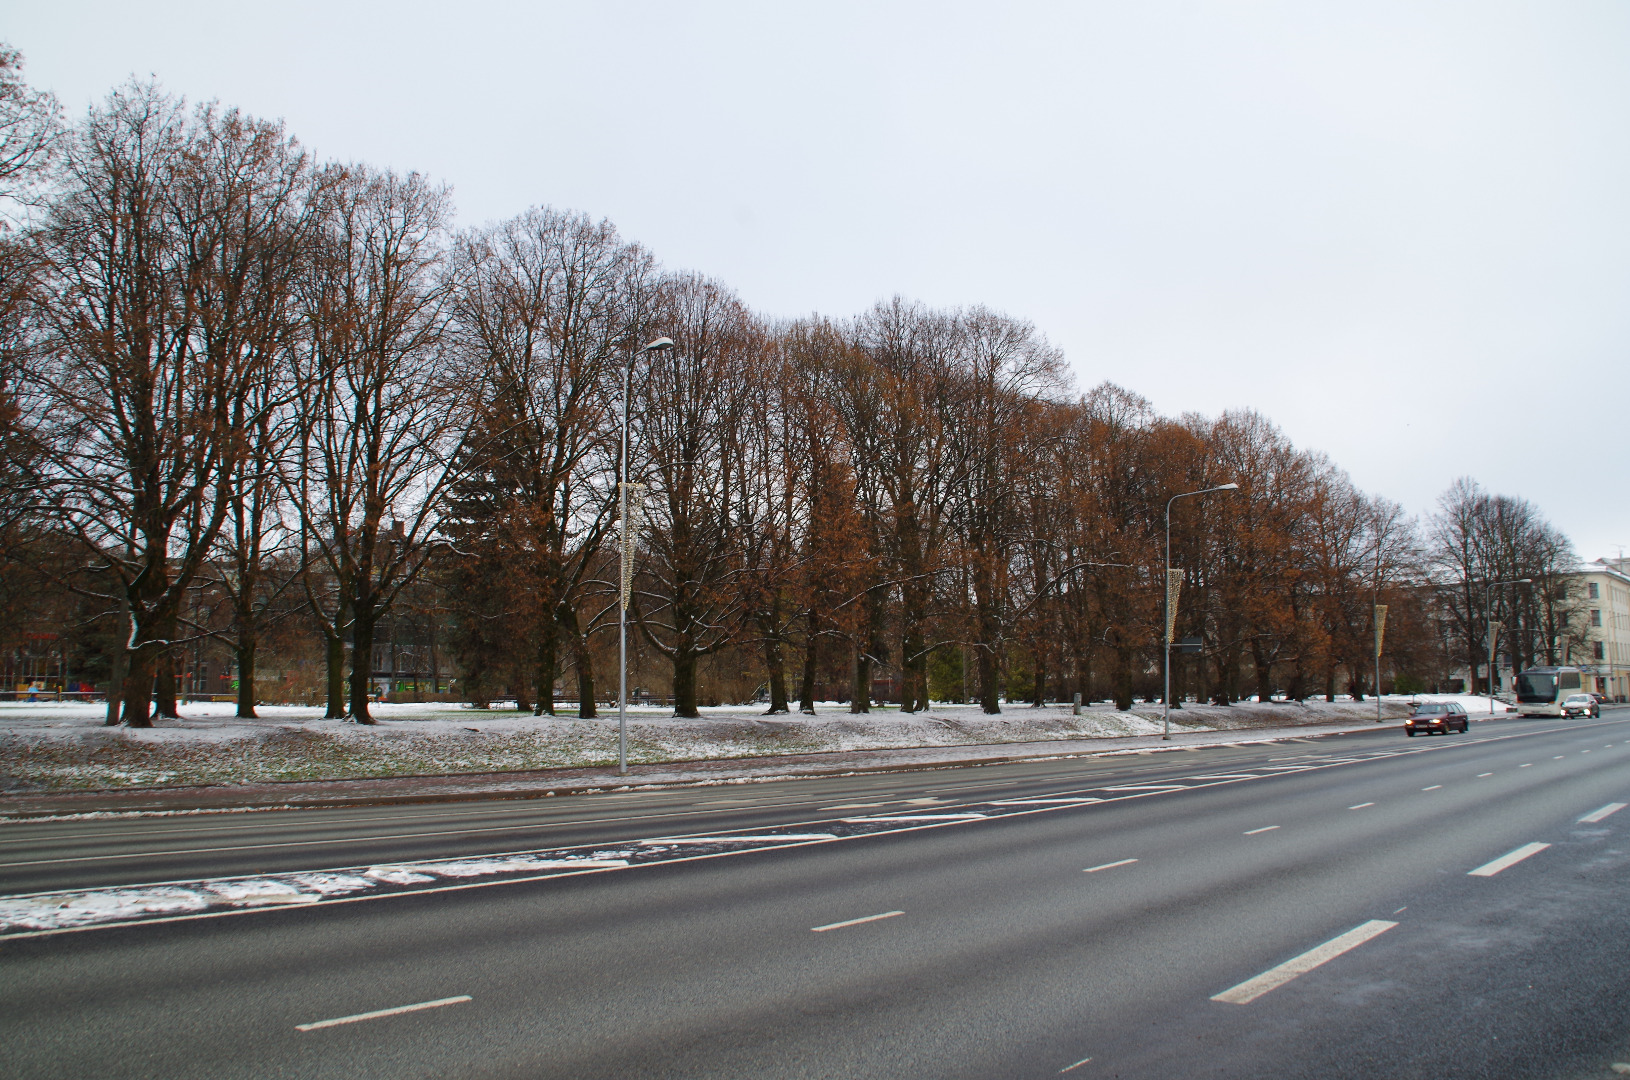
[[1166, 611], [1488, 605], [624, 543]]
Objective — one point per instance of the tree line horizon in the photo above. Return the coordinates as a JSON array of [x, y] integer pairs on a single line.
[[250, 394]]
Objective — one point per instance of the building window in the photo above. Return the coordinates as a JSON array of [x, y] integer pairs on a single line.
[[1595, 591], [1596, 649], [1595, 616]]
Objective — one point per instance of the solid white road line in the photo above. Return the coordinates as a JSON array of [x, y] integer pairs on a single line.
[[1265, 828], [855, 922], [1251, 989], [1361, 806], [738, 839], [377, 1013], [1044, 802], [1597, 815], [1108, 866], [1147, 787], [921, 817], [1510, 858]]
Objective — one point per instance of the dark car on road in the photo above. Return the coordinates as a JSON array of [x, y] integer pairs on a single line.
[[1581, 705], [1437, 717]]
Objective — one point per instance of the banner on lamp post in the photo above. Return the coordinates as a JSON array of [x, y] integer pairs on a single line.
[[1380, 626], [633, 514], [1174, 586]]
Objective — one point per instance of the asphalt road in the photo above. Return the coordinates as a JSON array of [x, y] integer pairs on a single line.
[[1215, 916]]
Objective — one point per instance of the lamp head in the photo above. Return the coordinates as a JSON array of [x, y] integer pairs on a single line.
[[1226, 487], [661, 344]]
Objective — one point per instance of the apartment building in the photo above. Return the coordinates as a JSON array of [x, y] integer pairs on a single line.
[[1606, 597]]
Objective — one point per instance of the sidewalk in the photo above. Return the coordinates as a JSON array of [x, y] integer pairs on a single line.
[[546, 782]]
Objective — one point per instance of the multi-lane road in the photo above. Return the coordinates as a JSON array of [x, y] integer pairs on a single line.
[[1361, 905]]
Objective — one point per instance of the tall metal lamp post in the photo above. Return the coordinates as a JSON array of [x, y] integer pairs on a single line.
[[625, 542], [1488, 605], [1166, 610]]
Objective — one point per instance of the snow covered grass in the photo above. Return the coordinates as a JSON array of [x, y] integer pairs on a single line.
[[63, 746]]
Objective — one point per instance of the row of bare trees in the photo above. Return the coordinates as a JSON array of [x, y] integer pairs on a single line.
[[231, 368]]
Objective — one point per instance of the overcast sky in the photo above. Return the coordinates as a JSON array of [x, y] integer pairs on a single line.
[[1399, 230]]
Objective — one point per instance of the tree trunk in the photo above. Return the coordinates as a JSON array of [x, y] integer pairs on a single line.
[[583, 661], [120, 666], [362, 658], [913, 671], [917, 666], [586, 704], [774, 660], [137, 692], [989, 681], [1264, 673], [246, 669], [164, 703], [1038, 694], [475, 685], [806, 691], [336, 677], [1123, 678], [685, 686], [860, 684], [544, 676]]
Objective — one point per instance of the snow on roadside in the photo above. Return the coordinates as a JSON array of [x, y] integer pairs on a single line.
[[64, 746]]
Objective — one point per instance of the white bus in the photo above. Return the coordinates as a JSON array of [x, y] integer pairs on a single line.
[[1541, 690]]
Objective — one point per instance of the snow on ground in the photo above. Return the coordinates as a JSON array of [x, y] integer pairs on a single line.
[[64, 746]]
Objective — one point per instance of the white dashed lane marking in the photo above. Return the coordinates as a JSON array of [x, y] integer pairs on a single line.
[[1275, 977], [854, 922], [377, 1013], [1510, 858], [1361, 806], [1597, 815], [1265, 828], [1108, 866]]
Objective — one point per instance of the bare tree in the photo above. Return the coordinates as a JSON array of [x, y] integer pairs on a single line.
[[1478, 542], [152, 250], [544, 307], [693, 407], [1004, 368], [891, 391], [382, 413], [30, 131]]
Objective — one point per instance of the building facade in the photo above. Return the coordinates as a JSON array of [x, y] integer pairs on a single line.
[[1605, 595]]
